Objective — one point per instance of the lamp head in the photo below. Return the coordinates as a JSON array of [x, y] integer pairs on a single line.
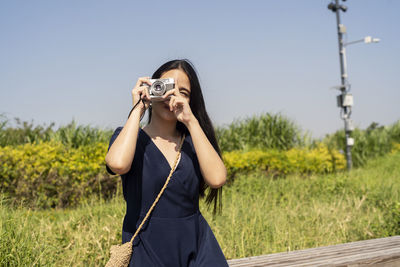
[[332, 6]]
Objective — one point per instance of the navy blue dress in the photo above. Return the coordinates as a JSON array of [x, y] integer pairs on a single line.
[[176, 233]]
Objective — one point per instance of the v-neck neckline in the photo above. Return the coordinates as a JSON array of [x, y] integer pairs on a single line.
[[162, 154]]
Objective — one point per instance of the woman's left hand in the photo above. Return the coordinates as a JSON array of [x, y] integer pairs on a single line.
[[179, 104]]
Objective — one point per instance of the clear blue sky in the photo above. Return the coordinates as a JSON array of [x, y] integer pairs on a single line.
[[64, 60]]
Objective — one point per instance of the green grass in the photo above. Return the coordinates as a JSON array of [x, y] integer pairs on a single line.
[[71, 135], [260, 215], [262, 131], [374, 141]]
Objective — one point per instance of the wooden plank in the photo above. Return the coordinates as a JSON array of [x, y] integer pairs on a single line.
[[308, 255], [344, 247], [288, 258], [382, 251]]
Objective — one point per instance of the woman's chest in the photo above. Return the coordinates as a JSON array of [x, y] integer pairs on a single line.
[[168, 150], [156, 169]]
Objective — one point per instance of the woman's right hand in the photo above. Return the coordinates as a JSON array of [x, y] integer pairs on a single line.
[[140, 91]]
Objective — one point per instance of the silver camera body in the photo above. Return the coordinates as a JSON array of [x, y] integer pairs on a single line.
[[159, 87]]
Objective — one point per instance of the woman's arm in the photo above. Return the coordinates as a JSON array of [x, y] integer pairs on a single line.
[[120, 155], [211, 165]]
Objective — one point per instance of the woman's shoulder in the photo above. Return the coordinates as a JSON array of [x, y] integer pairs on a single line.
[[117, 131], [139, 145], [114, 136]]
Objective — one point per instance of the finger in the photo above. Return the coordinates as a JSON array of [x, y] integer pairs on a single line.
[[142, 80], [179, 102], [171, 103], [176, 105], [142, 92], [147, 94], [176, 89], [168, 94], [144, 96]]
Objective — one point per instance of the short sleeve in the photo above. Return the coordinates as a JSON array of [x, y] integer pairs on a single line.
[[113, 137]]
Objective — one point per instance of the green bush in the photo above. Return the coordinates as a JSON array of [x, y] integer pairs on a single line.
[[279, 163], [50, 174]]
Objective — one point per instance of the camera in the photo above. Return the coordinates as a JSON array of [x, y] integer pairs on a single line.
[[159, 87]]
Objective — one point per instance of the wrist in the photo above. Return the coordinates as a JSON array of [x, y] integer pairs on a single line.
[[137, 112], [192, 122]]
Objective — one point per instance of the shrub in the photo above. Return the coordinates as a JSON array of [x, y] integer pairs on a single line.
[[296, 160], [49, 174]]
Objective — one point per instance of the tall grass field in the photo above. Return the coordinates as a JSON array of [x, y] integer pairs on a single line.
[[285, 192], [261, 215]]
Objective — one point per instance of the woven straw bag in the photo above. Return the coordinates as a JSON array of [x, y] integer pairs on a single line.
[[121, 254]]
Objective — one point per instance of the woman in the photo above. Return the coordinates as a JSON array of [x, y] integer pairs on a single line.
[[176, 233]]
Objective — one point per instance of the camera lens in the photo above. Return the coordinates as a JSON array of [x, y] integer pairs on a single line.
[[158, 88]]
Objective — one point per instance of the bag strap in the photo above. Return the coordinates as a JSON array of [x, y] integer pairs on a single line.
[[162, 190]]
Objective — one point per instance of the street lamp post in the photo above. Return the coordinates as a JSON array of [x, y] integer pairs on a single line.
[[345, 99]]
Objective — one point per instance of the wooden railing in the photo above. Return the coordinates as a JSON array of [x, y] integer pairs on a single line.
[[381, 252]]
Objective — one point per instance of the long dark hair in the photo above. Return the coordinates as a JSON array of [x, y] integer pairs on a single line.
[[198, 108]]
